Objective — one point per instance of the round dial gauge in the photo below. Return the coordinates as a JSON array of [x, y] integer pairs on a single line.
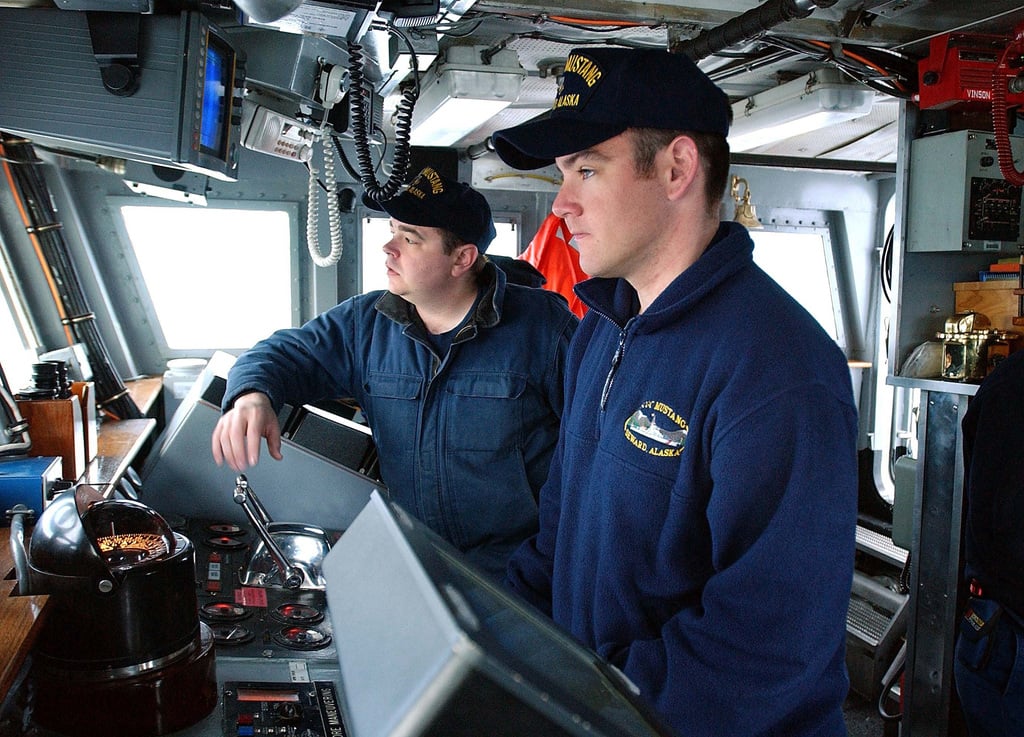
[[128, 549]]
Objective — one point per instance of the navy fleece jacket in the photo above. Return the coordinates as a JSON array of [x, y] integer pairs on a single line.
[[697, 526], [993, 447]]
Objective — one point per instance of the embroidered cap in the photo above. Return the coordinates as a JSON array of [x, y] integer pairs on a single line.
[[435, 201], [604, 91]]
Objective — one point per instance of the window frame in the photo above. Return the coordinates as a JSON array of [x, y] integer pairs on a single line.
[[145, 300], [832, 272], [16, 362]]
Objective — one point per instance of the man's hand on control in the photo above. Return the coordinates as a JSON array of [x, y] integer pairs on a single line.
[[236, 438]]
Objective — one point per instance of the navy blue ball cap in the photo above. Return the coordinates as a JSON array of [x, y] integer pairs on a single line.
[[604, 91], [435, 201]]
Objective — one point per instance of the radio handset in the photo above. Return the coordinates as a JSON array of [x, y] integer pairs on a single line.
[[331, 91], [313, 205]]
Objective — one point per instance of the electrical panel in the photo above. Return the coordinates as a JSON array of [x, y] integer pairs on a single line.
[[958, 199], [185, 114]]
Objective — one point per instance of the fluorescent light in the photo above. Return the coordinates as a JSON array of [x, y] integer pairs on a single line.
[[453, 119], [809, 103], [460, 94]]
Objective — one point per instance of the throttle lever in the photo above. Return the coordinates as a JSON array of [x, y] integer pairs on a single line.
[[292, 576]]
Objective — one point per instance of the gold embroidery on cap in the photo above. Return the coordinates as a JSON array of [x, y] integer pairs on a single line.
[[567, 100], [581, 65], [432, 178]]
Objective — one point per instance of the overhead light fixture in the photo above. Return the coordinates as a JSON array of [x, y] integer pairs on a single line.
[[745, 213], [267, 11], [812, 102], [460, 93]]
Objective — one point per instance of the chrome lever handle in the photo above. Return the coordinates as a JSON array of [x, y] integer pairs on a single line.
[[291, 575]]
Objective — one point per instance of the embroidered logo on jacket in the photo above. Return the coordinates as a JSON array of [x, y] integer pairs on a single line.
[[656, 429]]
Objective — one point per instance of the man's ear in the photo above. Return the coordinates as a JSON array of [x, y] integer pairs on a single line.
[[465, 256], [683, 165]]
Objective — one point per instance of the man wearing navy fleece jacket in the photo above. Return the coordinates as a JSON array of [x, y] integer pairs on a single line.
[[697, 526]]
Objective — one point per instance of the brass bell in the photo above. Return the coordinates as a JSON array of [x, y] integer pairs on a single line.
[[745, 213]]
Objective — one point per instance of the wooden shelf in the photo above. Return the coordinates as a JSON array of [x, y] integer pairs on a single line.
[[145, 391], [118, 444], [20, 620]]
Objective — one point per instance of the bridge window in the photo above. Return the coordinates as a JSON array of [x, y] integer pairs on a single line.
[[377, 232], [801, 262], [17, 339], [217, 277]]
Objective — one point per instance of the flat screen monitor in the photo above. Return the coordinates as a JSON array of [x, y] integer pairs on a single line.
[[429, 645], [213, 133]]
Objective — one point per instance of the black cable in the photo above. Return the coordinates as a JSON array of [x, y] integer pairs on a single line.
[[78, 318], [461, 34], [585, 42], [414, 60], [751, 24], [319, 181], [343, 157], [887, 76], [885, 273], [870, 77], [403, 130], [886, 687], [799, 46], [903, 67], [748, 63], [903, 582]]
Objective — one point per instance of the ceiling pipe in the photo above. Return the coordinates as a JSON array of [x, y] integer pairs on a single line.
[[747, 26]]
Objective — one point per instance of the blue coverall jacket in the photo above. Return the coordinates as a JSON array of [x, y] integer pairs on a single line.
[[465, 439]]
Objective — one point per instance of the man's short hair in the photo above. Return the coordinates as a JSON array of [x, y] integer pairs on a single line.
[[712, 148]]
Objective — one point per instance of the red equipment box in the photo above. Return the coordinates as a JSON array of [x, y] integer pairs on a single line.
[[958, 72]]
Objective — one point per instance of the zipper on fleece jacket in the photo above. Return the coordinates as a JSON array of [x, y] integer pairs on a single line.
[[616, 360]]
